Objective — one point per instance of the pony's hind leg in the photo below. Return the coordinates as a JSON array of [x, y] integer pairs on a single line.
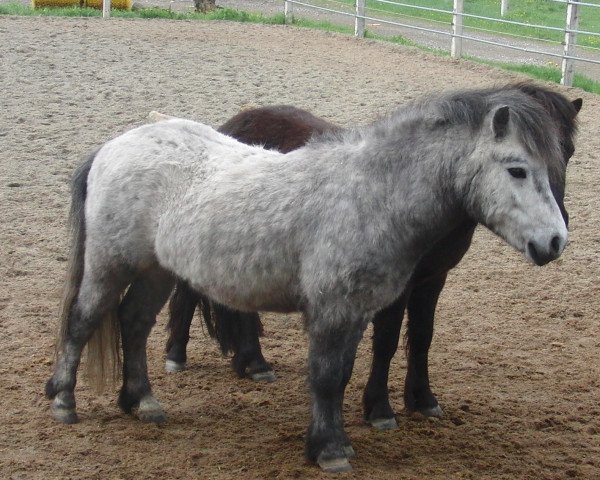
[[137, 314], [236, 332], [97, 300]]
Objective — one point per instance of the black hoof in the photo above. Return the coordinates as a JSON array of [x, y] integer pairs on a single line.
[[430, 412], [67, 416], [171, 366], [267, 377], [150, 411], [384, 423]]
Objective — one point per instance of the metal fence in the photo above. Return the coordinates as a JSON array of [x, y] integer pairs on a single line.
[[569, 53]]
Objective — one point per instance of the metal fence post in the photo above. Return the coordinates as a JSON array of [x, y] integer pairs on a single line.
[[503, 8], [572, 25], [288, 11], [106, 9], [359, 20], [457, 29]]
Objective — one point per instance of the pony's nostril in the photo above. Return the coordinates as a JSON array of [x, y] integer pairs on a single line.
[[532, 251], [555, 244]]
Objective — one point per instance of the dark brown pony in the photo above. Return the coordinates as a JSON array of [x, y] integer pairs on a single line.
[[287, 128]]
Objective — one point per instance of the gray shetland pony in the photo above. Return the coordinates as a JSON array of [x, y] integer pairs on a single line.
[[333, 229]]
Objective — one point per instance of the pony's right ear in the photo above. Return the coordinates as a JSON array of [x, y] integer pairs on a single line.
[[577, 103], [500, 122]]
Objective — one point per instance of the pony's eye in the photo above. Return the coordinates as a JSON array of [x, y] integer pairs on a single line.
[[517, 172]]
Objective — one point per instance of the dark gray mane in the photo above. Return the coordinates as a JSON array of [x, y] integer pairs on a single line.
[[541, 117]]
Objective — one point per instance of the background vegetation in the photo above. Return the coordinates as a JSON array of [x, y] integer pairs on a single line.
[[527, 11]]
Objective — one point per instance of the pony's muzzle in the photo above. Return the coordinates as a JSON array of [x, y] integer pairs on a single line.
[[545, 249]]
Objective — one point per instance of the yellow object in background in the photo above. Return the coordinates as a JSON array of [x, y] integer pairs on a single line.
[[117, 4]]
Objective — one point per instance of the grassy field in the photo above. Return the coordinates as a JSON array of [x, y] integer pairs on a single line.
[[548, 73], [531, 12]]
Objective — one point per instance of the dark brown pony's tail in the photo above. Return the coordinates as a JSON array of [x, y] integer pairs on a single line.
[[103, 347], [221, 323]]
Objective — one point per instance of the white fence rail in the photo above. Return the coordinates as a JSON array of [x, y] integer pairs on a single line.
[[361, 14]]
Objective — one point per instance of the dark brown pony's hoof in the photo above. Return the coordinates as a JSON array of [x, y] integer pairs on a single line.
[[267, 377], [171, 366], [435, 412], [384, 423]]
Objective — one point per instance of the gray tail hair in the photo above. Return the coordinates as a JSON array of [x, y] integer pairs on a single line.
[[103, 352]]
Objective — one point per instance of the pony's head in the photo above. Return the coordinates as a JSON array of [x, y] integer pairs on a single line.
[[516, 175], [564, 112]]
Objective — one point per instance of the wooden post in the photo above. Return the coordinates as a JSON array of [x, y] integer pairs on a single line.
[[503, 7], [568, 73], [288, 11], [457, 29], [359, 23], [106, 9]]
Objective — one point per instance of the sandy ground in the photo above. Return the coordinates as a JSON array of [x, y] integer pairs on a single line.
[[515, 361]]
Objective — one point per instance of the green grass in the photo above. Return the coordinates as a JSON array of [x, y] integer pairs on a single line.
[[547, 73], [75, 11]]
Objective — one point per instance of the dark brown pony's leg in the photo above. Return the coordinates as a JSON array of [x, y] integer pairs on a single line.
[[386, 335], [421, 310], [181, 312], [421, 301], [236, 333], [248, 360]]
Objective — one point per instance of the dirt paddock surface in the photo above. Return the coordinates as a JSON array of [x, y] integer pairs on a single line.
[[516, 355]]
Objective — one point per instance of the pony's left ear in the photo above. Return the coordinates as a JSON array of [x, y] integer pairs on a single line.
[[577, 103], [500, 122]]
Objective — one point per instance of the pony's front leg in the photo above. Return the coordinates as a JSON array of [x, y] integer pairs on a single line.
[[137, 314], [332, 349], [422, 303]]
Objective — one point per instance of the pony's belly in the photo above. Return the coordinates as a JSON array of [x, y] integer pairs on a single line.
[[239, 298]]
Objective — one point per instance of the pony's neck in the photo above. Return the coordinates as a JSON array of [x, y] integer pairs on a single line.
[[423, 166]]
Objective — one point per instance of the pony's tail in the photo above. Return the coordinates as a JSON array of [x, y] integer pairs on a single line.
[[103, 354], [225, 325], [75, 261], [103, 358]]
